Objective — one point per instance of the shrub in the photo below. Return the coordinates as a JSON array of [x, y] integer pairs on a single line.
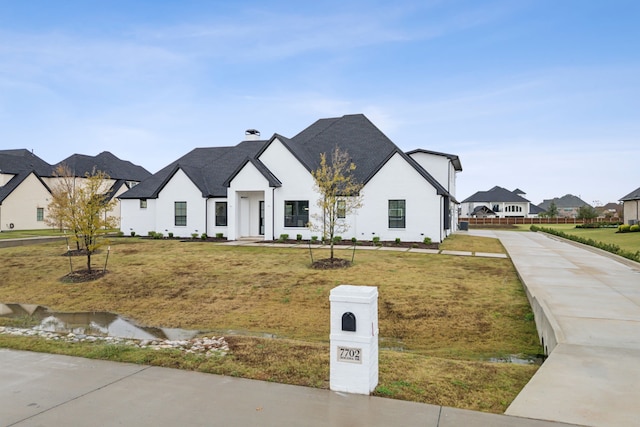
[[133, 234], [426, 240], [194, 235], [376, 240], [353, 240], [120, 233], [635, 227], [337, 239], [158, 235], [397, 240], [170, 235], [204, 236], [283, 237], [298, 237], [314, 238], [151, 233], [624, 228], [219, 235]]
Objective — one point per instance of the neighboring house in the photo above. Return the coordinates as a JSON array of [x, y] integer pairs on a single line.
[[499, 202], [24, 196], [568, 205], [123, 175], [26, 182], [610, 210], [264, 188], [631, 207]]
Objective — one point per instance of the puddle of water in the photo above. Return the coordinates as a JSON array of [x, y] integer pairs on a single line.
[[520, 359], [90, 323]]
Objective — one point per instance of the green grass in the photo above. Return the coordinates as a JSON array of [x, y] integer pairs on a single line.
[[626, 241], [21, 234], [444, 315]]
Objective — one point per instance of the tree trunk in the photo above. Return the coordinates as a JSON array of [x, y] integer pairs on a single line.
[[88, 261]]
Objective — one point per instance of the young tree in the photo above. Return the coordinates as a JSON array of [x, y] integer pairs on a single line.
[[339, 195], [83, 208], [587, 212], [552, 212], [62, 210]]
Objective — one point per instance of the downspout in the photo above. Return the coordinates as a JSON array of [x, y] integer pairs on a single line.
[[206, 215], [273, 213], [441, 217]]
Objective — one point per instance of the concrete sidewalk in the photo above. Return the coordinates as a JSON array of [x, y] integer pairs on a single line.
[[587, 307], [50, 390]]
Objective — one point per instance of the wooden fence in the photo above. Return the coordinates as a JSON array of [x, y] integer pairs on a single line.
[[515, 220]]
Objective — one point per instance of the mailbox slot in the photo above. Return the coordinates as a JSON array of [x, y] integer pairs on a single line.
[[349, 322]]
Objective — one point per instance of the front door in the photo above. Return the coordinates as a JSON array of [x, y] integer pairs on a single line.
[[261, 216]]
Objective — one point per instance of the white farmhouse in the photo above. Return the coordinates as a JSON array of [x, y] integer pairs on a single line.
[[264, 188]]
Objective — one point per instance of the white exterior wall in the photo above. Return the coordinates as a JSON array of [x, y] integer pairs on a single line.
[[245, 192], [212, 229], [297, 184], [631, 211], [439, 167], [137, 219], [20, 207], [399, 181], [180, 189]]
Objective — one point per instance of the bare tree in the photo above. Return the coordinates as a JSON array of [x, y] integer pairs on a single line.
[[339, 195]]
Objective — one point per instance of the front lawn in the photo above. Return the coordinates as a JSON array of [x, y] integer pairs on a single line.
[[441, 317]]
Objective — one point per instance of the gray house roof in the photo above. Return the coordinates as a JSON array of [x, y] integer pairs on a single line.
[[20, 163], [455, 160], [212, 169], [21, 160], [496, 194], [208, 168], [566, 201], [368, 147], [634, 195], [106, 162]]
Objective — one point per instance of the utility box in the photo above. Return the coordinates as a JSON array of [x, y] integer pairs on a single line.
[[354, 339]]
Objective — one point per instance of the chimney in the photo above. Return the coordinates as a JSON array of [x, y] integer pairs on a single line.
[[251, 135]]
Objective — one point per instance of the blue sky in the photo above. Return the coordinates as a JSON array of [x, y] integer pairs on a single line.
[[532, 94]]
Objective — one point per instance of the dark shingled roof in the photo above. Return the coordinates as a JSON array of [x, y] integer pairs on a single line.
[[566, 201], [106, 162], [20, 163], [208, 168], [368, 147], [455, 160], [21, 160], [496, 194], [212, 169], [634, 195]]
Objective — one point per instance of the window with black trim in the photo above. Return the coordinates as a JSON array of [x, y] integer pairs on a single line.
[[296, 213], [397, 213], [341, 209], [143, 203], [221, 214], [180, 213], [40, 214]]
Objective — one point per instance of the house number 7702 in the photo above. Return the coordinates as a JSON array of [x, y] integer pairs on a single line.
[[348, 354]]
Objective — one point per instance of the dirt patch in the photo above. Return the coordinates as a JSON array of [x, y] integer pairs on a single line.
[[80, 276], [331, 263]]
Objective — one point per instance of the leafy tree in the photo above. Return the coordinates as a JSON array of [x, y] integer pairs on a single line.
[[82, 207], [552, 212], [339, 195], [587, 212]]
